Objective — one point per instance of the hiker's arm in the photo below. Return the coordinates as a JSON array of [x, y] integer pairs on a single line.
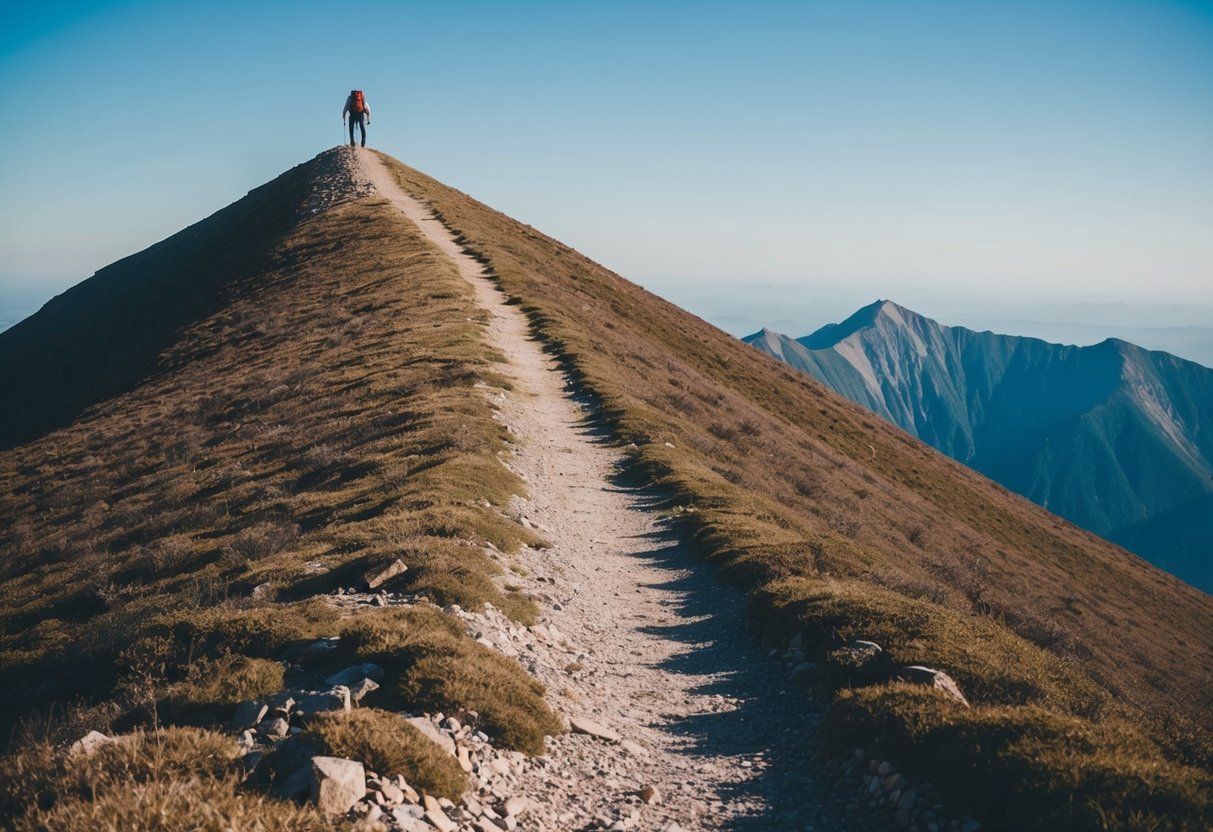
[[345, 109]]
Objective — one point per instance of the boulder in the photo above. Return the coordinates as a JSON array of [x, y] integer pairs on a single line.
[[431, 730], [337, 699], [248, 714], [650, 795], [89, 743], [918, 675], [356, 673], [362, 688], [274, 729], [376, 577], [583, 725], [337, 784], [860, 662]]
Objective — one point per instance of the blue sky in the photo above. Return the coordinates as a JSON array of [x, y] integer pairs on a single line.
[[819, 154]]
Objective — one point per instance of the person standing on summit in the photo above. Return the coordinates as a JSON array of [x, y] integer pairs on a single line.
[[359, 113]]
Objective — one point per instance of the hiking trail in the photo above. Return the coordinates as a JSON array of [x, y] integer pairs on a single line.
[[635, 634]]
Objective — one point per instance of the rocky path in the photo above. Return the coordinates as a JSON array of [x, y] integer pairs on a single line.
[[681, 720]]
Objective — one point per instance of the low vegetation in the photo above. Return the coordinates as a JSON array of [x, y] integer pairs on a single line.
[[171, 780], [844, 527], [432, 664], [388, 744]]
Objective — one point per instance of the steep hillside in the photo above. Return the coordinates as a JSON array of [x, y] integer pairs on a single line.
[[1112, 437], [176, 548], [847, 528]]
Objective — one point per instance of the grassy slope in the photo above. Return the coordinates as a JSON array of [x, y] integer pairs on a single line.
[[852, 528], [321, 420]]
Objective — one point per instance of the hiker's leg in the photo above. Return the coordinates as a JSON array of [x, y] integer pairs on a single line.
[[352, 120], [362, 130]]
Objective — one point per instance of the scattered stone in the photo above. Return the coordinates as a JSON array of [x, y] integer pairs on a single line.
[[376, 577], [584, 725], [650, 795], [919, 675], [337, 784], [431, 730]]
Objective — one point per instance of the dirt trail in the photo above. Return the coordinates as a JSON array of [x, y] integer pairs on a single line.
[[634, 635]]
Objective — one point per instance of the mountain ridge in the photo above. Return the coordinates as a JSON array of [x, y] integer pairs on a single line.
[[212, 519], [1023, 411]]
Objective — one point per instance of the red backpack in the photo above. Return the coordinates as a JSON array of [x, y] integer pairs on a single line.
[[358, 105]]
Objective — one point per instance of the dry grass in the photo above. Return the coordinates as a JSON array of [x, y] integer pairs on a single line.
[[172, 780], [388, 744], [309, 413], [432, 664], [321, 421], [787, 486]]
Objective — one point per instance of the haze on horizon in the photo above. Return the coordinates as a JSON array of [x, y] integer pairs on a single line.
[[975, 162]]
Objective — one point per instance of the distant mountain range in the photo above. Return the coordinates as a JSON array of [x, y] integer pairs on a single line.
[[1113, 437]]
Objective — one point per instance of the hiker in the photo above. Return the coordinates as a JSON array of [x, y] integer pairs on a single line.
[[360, 114]]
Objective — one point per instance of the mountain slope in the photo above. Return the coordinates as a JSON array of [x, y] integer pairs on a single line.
[[198, 525], [1111, 437]]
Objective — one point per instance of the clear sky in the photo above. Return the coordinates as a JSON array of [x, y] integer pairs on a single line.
[[972, 152]]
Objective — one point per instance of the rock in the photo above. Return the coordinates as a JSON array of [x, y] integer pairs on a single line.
[[650, 795], [430, 730], [290, 769], [634, 748], [465, 762], [337, 784], [356, 673], [583, 725], [410, 822], [410, 794], [515, 806], [89, 743], [796, 642], [438, 818], [802, 672], [361, 689], [282, 701], [908, 797], [274, 729], [884, 768], [374, 578], [919, 675], [393, 793], [262, 590], [248, 714], [337, 699], [452, 609], [860, 663]]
